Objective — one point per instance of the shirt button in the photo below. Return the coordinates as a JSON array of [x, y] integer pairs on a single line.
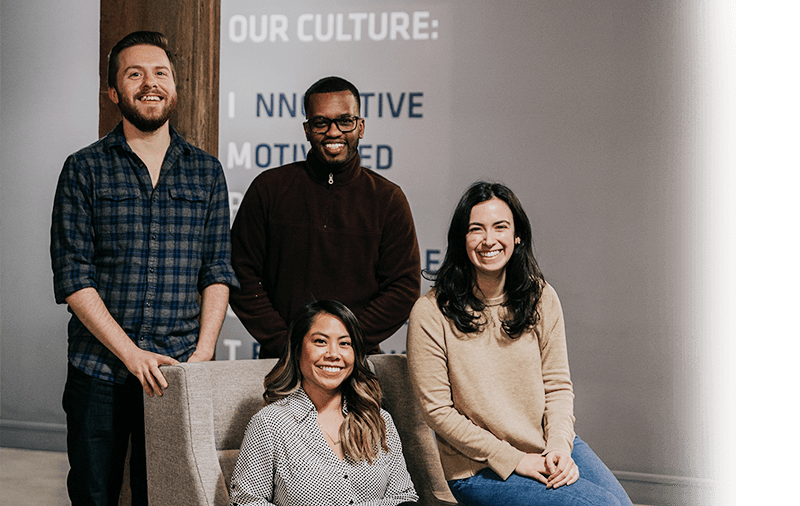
[[345, 476], [151, 269]]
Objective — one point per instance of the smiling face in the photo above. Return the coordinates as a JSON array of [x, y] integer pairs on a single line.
[[326, 356], [145, 89], [334, 148], [490, 239]]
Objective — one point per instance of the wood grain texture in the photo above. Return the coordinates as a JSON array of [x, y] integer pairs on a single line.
[[192, 27]]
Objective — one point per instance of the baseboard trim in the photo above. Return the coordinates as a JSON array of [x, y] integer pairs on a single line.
[[663, 490], [33, 435]]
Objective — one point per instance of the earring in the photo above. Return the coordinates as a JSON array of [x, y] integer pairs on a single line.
[[517, 240]]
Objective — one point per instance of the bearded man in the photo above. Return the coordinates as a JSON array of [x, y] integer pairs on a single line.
[[140, 251]]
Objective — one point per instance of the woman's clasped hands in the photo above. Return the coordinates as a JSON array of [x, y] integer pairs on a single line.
[[554, 469]]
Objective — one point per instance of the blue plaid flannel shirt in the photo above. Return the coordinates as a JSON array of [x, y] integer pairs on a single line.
[[148, 252]]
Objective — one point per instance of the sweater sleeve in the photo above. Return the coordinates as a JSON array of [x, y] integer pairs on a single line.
[[428, 368], [558, 407], [397, 274], [248, 249]]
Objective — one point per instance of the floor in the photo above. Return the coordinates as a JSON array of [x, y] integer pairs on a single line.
[[33, 478]]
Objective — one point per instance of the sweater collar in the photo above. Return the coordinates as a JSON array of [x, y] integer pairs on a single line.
[[325, 175]]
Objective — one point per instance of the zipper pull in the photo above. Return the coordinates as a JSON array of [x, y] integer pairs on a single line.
[[330, 178]]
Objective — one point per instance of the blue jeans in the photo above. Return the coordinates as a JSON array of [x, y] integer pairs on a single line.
[[595, 487], [101, 416]]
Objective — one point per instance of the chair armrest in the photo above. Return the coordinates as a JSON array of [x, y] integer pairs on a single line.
[[182, 463]]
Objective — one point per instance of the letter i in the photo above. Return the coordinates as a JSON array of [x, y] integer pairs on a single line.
[[231, 104]]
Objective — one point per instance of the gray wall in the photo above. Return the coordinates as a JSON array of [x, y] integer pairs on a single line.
[[599, 114], [48, 109]]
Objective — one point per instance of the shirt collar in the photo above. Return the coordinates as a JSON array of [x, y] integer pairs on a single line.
[[300, 405], [320, 173]]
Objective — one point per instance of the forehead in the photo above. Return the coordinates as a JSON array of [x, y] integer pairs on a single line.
[[143, 55], [491, 211], [327, 324], [332, 105]]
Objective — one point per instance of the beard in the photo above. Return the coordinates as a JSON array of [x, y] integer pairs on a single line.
[[146, 123]]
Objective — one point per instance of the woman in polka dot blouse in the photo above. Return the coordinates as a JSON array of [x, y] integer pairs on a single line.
[[323, 438]]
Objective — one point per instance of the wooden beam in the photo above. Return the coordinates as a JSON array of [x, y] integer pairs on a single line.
[[192, 27]]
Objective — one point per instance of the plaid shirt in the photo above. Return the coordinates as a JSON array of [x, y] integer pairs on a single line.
[[148, 252]]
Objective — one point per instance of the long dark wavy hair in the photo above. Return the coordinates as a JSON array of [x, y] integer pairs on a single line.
[[455, 281], [363, 430]]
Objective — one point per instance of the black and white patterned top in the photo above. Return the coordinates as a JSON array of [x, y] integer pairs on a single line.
[[284, 460]]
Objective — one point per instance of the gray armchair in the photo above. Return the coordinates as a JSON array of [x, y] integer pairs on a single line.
[[193, 433]]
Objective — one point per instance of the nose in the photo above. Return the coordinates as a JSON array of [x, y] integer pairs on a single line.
[[333, 351], [149, 80], [331, 131]]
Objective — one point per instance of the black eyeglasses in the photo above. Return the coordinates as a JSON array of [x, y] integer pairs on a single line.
[[320, 125]]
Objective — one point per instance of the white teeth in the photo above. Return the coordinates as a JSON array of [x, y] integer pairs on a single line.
[[151, 99], [330, 369], [489, 254]]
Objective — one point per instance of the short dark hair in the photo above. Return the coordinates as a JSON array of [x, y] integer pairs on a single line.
[[140, 38], [331, 84]]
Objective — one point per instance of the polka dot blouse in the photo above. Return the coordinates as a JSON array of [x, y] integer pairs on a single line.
[[284, 460]]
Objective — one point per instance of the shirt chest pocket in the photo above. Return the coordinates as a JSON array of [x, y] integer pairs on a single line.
[[185, 212], [117, 217]]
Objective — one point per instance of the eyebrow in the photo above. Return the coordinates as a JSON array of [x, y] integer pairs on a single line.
[[141, 67], [345, 336], [471, 223]]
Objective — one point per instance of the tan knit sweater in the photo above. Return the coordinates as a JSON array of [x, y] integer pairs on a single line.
[[489, 398]]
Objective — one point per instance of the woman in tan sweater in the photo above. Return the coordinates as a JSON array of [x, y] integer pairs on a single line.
[[488, 359]]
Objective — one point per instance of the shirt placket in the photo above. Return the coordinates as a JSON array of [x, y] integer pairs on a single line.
[[153, 251], [345, 473]]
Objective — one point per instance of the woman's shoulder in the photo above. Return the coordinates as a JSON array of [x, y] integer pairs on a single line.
[[391, 428], [278, 411], [427, 302], [549, 293]]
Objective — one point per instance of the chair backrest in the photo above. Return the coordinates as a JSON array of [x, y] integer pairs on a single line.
[[194, 432]]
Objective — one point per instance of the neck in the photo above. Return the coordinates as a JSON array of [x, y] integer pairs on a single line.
[[491, 286], [321, 172], [150, 147], [147, 143], [324, 400]]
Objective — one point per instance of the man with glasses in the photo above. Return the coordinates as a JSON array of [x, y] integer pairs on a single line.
[[325, 228]]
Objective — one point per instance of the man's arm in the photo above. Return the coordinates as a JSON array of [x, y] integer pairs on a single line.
[[91, 310], [213, 304], [248, 250], [398, 274]]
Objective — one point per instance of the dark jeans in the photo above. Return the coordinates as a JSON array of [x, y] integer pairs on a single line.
[[101, 416]]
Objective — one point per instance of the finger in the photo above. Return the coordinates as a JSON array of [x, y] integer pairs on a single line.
[[557, 463], [159, 381], [568, 478], [574, 476], [145, 385], [538, 477], [563, 474]]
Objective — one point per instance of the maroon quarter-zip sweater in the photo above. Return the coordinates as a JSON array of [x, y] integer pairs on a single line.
[[303, 233]]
